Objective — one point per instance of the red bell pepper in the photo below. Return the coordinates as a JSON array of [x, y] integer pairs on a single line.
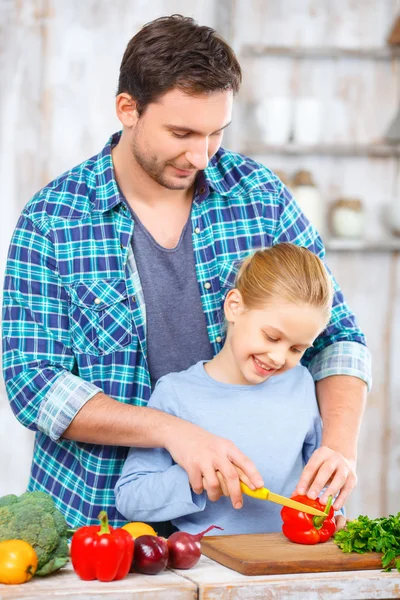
[[302, 528], [101, 552]]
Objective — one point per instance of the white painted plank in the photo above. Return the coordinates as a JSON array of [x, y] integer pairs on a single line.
[[392, 463], [66, 584], [21, 70], [216, 582], [365, 281], [348, 23]]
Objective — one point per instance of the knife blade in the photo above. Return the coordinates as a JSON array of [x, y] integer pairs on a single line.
[[265, 494]]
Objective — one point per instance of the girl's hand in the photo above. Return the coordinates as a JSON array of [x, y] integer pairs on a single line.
[[329, 468]]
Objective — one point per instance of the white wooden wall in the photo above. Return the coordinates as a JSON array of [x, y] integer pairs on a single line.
[[367, 92], [59, 66]]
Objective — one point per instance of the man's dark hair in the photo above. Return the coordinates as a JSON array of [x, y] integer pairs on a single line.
[[177, 52]]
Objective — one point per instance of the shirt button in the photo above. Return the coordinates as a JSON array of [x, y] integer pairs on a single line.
[[197, 230], [207, 285], [202, 190], [97, 301], [133, 298], [218, 339]]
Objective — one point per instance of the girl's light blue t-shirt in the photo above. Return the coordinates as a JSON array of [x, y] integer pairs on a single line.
[[275, 423]]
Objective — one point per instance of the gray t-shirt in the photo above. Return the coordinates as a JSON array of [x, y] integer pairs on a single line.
[[176, 325]]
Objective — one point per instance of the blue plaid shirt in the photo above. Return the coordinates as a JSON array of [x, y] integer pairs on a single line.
[[74, 320]]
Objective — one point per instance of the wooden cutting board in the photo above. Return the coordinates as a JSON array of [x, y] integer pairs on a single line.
[[272, 554]]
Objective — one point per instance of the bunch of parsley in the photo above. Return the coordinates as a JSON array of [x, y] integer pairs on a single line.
[[373, 535]]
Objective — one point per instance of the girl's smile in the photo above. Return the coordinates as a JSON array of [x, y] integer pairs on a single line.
[[262, 369], [264, 342]]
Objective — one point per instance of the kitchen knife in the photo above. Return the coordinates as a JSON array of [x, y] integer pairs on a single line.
[[264, 494]]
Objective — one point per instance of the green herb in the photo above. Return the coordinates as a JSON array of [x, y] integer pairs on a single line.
[[373, 535]]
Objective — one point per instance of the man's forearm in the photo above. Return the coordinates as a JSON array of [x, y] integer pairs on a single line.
[[341, 400], [105, 421]]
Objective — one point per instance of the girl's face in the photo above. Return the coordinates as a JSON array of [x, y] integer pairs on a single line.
[[268, 341]]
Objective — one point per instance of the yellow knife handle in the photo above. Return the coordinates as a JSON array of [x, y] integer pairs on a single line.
[[260, 493]]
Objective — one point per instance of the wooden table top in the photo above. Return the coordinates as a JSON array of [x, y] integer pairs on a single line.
[[210, 581], [216, 582], [66, 584]]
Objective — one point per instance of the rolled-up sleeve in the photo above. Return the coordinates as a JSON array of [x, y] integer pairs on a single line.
[[342, 358], [62, 402], [38, 361]]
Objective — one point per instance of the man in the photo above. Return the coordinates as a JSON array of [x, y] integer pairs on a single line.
[[117, 273]]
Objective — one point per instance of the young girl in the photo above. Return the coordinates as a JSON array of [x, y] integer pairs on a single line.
[[254, 392]]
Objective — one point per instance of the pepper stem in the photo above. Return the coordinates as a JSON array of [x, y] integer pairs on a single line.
[[104, 526], [319, 521]]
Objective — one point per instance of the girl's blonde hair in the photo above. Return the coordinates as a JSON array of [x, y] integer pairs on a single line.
[[288, 272]]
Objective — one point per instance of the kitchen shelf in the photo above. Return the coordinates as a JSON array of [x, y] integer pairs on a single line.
[[371, 150], [380, 245], [330, 52]]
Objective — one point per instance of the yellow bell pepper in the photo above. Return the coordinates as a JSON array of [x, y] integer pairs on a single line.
[[18, 561]]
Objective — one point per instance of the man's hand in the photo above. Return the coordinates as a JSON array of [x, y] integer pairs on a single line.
[[223, 491], [340, 522], [327, 467], [203, 455]]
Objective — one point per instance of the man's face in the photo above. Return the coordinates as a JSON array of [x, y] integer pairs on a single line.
[[176, 136]]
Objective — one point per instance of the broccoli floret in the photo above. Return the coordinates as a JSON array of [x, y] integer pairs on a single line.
[[9, 499], [34, 517], [57, 559], [61, 525], [40, 498]]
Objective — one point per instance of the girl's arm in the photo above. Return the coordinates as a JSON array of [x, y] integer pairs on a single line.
[[152, 487]]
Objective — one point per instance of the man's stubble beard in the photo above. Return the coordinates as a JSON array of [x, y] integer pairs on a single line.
[[156, 171]]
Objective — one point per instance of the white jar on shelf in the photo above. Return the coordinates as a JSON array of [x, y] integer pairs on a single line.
[[310, 200], [348, 218], [274, 119], [307, 121]]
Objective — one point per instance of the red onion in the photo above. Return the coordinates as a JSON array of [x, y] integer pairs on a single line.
[[184, 548], [150, 554]]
